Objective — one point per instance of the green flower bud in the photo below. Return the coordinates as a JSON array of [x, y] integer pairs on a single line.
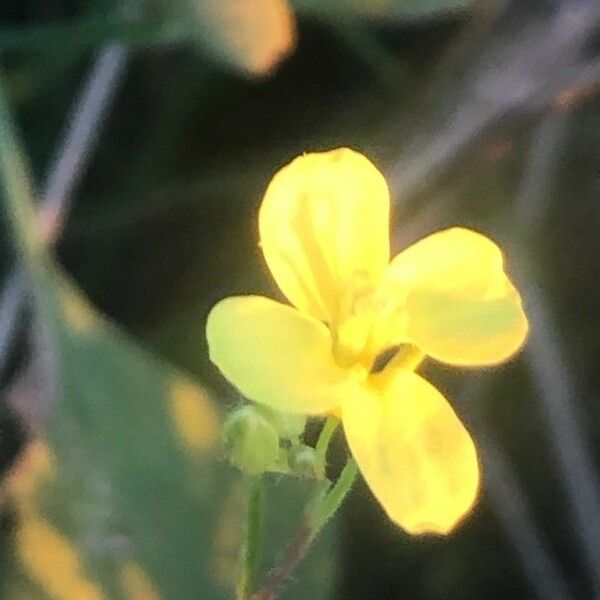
[[252, 441]]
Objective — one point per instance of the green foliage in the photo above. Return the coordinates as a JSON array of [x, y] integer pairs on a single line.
[[123, 405], [126, 489], [129, 488], [163, 226]]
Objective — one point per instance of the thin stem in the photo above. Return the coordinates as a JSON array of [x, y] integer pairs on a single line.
[[325, 437], [70, 161], [79, 138], [292, 557], [319, 511], [17, 195], [325, 509], [12, 307], [553, 374], [251, 549]]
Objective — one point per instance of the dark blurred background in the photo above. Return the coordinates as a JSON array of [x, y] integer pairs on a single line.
[[482, 114]]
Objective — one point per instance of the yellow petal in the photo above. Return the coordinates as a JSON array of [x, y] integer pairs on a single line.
[[275, 355], [413, 452], [460, 306], [324, 228]]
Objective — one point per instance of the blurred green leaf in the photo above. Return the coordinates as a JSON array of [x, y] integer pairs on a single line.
[[124, 496], [135, 477], [127, 483]]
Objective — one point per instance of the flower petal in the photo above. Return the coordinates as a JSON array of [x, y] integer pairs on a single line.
[[276, 356], [461, 308], [413, 452], [324, 222]]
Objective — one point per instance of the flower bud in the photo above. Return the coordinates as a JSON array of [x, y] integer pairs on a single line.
[[252, 440]]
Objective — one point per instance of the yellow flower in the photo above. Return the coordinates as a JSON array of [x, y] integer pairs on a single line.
[[324, 227]]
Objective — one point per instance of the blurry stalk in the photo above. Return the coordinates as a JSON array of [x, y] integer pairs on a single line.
[[557, 393], [67, 167], [509, 503], [18, 204], [11, 310], [539, 174], [251, 549], [80, 136], [552, 374], [17, 196]]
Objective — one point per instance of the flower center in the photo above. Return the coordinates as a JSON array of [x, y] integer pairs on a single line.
[[370, 320]]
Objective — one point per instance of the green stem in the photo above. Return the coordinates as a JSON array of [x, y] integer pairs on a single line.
[[251, 548], [325, 437], [322, 511], [16, 197], [324, 504]]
